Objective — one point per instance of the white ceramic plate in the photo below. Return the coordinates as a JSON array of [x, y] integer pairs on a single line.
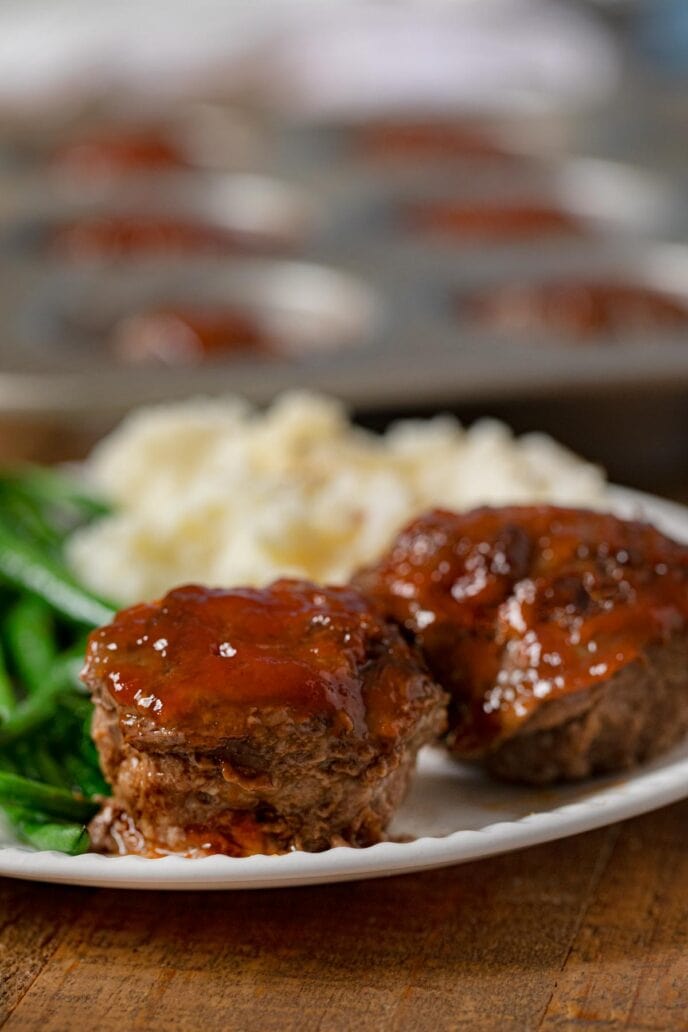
[[452, 814]]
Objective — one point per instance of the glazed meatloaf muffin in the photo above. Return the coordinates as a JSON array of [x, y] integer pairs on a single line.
[[561, 635], [255, 721]]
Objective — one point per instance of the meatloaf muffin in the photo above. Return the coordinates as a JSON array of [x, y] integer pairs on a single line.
[[561, 635], [255, 721]]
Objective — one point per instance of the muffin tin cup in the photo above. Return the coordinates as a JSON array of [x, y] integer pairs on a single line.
[[207, 136], [658, 267], [337, 148], [258, 214], [608, 201], [306, 310]]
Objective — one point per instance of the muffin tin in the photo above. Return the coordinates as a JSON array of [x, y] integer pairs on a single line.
[[608, 202], [514, 146], [359, 304], [307, 309], [258, 213], [203, 135]]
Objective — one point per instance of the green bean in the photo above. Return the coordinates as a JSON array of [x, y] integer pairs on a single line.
[[63, 837], [25, 515], [30, 638], [24, 565], [62, 485], [64, 727], [45, 746], [8, 699], [8, 762], [71, 662], [58, 489], [49, 770], [34, 796], [25, 758], [78, 706], [85, 778], [40, 707], [88, 752]]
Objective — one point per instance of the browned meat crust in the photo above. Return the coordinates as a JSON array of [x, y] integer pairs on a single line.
[[560, 634], [638, 713], [260, 777]]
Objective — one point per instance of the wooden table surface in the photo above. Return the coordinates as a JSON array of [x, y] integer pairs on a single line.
[[589, 932]]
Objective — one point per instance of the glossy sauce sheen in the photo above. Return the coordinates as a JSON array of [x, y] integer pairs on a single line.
[[109, 236], [118, 152], [514, 607], [408, 140], [490, 222], [581, 310], [184, 335], [206, 661]]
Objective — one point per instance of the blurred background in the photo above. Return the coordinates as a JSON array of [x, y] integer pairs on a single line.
[[475, 206]]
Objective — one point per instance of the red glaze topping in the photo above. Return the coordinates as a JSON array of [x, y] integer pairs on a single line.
[[208, 661], [115, 153], [403, 140], [492, 222], [185, 335], [118, 236], [514, 607], [580, 310]]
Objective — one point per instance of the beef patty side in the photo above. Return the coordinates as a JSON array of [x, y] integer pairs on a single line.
[[637, 714], [208, 755]]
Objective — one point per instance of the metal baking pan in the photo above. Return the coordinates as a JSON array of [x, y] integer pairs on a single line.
[[343, 146], [260, 212], [371, 312], [607, 201], [66, 318], [404, 343], [203, 135], [658, 267]]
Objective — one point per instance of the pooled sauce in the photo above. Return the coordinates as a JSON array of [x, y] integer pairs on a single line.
[[579, 310], [206, 661], [113, 153], [121, 236], [514, 607], [399, 141], [508, 222], [236, 833], [179, 336]]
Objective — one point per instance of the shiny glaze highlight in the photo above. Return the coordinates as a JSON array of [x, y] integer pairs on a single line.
[[518, 606]]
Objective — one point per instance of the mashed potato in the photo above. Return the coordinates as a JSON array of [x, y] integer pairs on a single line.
[[219, 493]]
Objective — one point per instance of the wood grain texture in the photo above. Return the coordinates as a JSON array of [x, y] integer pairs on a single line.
[[587, 932], [32, 921], [628, 965]]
